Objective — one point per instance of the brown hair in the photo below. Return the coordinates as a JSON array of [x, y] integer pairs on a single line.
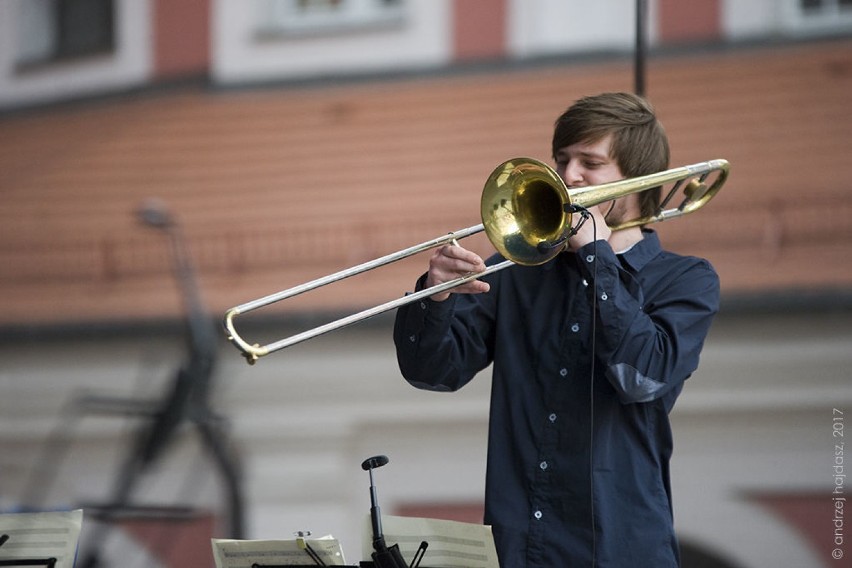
[[639, 142]]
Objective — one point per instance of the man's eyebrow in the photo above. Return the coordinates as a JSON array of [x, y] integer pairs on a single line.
[[582, 154]]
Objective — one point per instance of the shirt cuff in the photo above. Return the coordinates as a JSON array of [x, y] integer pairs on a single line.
[[598, 252], [429, 305]]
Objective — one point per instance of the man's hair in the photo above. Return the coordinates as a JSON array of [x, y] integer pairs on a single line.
[[639, 142]]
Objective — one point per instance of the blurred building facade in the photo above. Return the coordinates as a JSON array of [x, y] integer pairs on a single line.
[[294, 138]]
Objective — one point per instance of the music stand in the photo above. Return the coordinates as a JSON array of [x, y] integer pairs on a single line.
[[48, 562]]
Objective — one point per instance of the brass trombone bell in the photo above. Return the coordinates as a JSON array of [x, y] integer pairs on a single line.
[[526, 212]]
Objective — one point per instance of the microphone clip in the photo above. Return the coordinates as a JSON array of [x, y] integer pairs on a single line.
[[546, 246], [584, 216]]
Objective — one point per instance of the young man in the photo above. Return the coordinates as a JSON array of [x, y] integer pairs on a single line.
[[590, 351]]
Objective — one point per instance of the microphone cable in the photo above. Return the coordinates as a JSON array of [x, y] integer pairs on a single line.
[[592, 388], [544, 247], [585, 216]]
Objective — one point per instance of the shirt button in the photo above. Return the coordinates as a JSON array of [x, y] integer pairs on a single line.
[[563, 372], [552, 417], [604, 297], [537, 514], [422, 305], [585, 282], [412, 338], [575, 328], [543, 465], [590, 258]]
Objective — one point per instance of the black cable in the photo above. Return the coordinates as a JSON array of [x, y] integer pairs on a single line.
[[608, 211], [592, 389], [587, 215]]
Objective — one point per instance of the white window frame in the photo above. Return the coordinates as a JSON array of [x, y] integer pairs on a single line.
[[287, 17], [129, 65]]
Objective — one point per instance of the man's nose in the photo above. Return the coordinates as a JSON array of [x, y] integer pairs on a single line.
[[573, 174]]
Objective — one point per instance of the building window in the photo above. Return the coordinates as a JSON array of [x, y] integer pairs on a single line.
[[824, 15], [830, 6], [278, 17], [60, 30]]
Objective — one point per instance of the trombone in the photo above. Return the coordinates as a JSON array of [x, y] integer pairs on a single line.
[[526, 212]]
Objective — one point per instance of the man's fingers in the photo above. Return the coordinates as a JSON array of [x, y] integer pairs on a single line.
[[460, 260], [451, 262]]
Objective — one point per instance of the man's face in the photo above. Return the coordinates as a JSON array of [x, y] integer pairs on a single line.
[[589, 163]]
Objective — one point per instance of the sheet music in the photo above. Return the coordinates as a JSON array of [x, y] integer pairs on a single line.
[[41, 535], [230, 553], [451, 544]]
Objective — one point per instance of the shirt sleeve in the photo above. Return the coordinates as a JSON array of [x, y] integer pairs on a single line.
[[649, 340], [440, 346]]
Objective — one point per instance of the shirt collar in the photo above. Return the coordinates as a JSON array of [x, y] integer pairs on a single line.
[[636, 257], [643, 251]]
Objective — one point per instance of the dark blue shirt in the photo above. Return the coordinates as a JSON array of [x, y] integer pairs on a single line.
[[578, 455]]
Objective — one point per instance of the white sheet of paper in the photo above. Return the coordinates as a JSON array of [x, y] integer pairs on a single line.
[[451, 544], [52, 534], [230, 553]]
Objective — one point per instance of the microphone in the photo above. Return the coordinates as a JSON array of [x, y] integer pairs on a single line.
[[374, 462], [384, 556], [571, 208], [375, 512], [545, 247]]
